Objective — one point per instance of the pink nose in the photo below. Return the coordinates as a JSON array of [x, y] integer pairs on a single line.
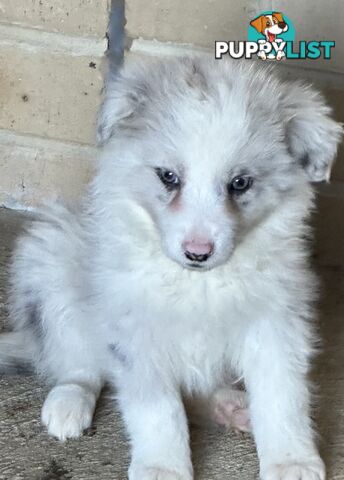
[[198, 250]]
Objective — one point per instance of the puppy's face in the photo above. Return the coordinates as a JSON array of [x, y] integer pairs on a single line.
[[208, 159], [209, 186]]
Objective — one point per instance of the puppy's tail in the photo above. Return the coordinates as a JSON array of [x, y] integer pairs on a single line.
[[16, 353]]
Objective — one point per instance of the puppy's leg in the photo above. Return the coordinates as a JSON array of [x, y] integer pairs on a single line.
[[275, 370], [157, 425], [70, 357]]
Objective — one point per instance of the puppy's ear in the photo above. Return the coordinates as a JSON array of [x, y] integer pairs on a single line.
[[123, 101], [312, 135], [257, 23], [279, 16]]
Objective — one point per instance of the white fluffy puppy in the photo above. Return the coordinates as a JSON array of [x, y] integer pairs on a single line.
[[186, 268]]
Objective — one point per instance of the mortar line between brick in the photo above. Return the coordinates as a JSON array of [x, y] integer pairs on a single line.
[[8, 138], [34, 40]]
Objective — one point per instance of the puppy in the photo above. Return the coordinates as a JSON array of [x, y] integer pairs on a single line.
[[186, 268], [271, 26]]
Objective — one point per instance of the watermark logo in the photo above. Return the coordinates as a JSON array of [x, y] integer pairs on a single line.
[[271, 36], [271, 31]]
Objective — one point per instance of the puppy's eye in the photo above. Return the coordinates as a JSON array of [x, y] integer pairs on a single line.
[[168, 178], [240, 184]]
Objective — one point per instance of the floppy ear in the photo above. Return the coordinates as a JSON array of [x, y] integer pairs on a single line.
[[279, 16], [118, 113], [257, 23], [312, 135], [125, 97]]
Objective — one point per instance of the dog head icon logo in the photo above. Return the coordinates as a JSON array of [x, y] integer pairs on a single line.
[[270, 26]]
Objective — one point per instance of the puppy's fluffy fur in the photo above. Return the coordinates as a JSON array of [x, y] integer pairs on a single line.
[[107, 293]]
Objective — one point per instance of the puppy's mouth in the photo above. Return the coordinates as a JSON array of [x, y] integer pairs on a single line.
[[200, 267], [195, 266]]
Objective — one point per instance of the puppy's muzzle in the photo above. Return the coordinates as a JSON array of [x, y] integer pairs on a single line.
[[282, 25]]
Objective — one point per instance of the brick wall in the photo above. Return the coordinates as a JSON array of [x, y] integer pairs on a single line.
[[50, 81], [50, 75]]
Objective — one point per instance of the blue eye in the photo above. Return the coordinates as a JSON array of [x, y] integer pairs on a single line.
[[168, 178], [240, 184]]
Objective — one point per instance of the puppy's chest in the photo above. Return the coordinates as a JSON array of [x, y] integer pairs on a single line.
[[192, 329]]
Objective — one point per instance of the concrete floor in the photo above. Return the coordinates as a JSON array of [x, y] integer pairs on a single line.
[[26, 451]]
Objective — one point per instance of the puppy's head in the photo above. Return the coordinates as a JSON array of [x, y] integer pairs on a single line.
[[195, 143]]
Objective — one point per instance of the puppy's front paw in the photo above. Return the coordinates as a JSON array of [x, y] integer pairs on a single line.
[[155, 473], [68, 410], [306, 470]]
